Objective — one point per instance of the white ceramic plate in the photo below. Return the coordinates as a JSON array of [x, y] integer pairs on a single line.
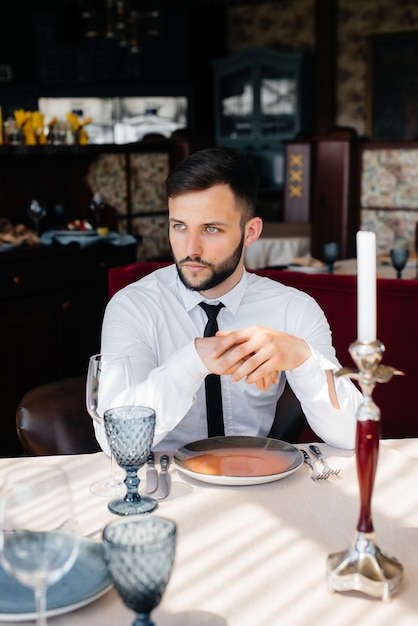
[[238, 460], [86, 581]]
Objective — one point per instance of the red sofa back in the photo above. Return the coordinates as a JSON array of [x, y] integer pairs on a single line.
[[397, 311]]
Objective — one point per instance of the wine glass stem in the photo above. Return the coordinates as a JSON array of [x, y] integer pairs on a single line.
[[132, 484], [115, 482], [143, 619], [40, 601]]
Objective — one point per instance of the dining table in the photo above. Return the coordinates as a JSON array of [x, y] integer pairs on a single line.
[[278, 245], [256, 554], [384, 268]]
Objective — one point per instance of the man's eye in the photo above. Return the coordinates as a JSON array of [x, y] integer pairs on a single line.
[[178, 226], [212, 229]]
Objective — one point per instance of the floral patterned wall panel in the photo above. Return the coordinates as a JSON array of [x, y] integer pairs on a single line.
[[141, 208], [107, 177], [356, 22], [148, 204], [287, 24], [389, 196]]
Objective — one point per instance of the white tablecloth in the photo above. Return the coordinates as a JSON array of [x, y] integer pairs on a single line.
[[383, 269], [279, 244], [270, 252], [256, 555]]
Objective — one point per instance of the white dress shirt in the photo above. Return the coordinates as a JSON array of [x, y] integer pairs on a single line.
[[156, 320]]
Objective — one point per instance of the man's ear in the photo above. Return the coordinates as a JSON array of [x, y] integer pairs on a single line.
[[253, 229]]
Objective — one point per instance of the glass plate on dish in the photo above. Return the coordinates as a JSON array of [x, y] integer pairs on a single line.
[[238, 460], [86, 581]]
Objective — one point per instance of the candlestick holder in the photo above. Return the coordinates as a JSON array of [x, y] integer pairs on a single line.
[[363, 567]]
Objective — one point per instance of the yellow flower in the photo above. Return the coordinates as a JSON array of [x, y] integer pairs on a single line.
[[73, 120], [83, 138], [87, 120], [37, 120], [21, 117], [28, 132], [78, 127]]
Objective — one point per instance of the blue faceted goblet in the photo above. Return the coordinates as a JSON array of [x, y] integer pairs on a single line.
[[139, 555], [399, 258], [331, 252], [130, 433]]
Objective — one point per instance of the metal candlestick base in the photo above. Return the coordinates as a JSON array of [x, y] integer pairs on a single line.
[[363, 567]]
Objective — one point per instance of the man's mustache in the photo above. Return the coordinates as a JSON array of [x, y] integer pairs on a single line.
[[196, 259]]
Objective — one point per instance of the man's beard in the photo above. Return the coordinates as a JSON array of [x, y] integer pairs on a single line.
[[219, 273]]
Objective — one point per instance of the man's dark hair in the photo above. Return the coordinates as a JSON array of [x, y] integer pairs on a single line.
[[217, 166]]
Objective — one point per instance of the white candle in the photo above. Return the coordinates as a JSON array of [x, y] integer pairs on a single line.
[[366, 286]]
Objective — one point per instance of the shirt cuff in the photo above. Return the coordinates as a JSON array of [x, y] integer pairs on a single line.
[[188, 362], [310, 366]]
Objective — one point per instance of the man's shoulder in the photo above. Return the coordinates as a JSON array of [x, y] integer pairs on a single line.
[[161, 274], [266, 281], [272, 286]]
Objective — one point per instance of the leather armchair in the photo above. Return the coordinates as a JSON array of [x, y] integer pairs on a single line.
[[52, 419], [289, 421]]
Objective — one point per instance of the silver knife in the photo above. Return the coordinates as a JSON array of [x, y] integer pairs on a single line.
[[164, 478], [151, 474]]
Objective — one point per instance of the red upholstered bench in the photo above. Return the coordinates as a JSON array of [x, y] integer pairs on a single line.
[[397, 312]]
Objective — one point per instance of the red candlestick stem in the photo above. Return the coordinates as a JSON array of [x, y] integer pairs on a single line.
[[367, 451]]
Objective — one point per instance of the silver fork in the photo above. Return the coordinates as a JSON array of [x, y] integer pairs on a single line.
[[327, 469], [316, 475]]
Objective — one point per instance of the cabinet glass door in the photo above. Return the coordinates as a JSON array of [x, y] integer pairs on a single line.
[[237, 104], [278, 102]]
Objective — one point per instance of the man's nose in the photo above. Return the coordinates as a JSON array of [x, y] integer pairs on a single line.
[[194, 246]]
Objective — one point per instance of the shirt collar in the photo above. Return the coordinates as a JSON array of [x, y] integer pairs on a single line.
[[231, 299]]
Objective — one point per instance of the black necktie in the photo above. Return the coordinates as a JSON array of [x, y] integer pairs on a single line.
[[213, 381]]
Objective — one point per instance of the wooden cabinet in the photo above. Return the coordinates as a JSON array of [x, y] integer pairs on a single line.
[[334, 211], [51, 306], [322, 186], [262, 98]]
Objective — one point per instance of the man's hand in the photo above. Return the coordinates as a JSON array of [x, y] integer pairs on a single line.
[[256, 354], [258, 351]]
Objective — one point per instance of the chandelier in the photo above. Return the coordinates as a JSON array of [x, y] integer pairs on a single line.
[[121, 22]]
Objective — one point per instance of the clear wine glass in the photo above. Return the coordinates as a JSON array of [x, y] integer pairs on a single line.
[[130, 434], [109, 383], [399, 258], [36, 212], [140, 556], [38, 545], [330, 253]]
